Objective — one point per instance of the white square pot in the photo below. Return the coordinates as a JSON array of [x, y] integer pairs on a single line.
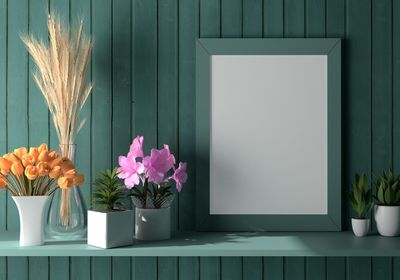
[[110, 229]]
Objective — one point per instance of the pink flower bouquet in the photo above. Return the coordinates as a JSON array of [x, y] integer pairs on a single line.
[[149, 177]]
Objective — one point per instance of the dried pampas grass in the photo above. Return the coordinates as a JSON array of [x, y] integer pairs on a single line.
[[61, 74]]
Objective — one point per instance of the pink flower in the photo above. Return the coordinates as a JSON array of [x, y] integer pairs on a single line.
[[136, 148], [129, 170], [180, 176], [158, 163]]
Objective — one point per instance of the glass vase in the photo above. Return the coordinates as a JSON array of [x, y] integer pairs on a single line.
[[66, 216]]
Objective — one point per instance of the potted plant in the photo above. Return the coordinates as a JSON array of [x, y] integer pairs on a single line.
[[31, 177], [361, 201], [110, 224], [387, 211], [149, 179]]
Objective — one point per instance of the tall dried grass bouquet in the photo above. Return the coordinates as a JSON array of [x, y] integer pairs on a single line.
[[61, 76]]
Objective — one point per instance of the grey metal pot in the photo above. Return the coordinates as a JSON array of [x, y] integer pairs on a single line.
[[153, 224]]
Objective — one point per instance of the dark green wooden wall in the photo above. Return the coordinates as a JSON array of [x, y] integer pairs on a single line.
[[143, 70]]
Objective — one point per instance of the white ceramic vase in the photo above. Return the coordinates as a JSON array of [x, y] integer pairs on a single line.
[[360, 226], [31, 219], [153, 224], [387, 220]]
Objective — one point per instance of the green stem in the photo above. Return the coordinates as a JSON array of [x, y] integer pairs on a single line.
[[145, 191]]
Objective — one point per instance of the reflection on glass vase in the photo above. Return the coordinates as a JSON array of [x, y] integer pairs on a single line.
[[66, 216]]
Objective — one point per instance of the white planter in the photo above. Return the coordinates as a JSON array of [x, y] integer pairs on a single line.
[[387, 220], [31, 219], [360, 226], [153, 224], [110, 229]]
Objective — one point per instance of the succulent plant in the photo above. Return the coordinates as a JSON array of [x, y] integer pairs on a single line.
[[110, 193], [388, 189], [361, 196]]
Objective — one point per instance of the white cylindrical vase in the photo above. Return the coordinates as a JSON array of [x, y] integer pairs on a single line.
[[153, 224], [387, 220], [360, 226], [31, 219]]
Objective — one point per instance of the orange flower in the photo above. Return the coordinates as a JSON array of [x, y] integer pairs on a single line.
[[20, 152], [64, 182], [43, 147], [55, 172], [70, 173], [3, 182], [5, 165], [43, 168], [31, 172], [34, 152], [55, 162], [66, 165], [16, 168], [79, 179], [10, 157], [52, 155], [43, 156], [28, 159]]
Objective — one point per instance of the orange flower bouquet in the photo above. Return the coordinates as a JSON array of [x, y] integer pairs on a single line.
[[37, 172]]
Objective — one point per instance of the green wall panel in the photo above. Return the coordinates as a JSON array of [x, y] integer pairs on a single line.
[[143, 67]]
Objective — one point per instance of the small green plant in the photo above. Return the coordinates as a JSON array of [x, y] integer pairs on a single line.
[[110, 193], [361, 196], [388, 189]]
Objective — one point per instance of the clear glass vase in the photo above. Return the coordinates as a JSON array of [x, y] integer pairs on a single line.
[[66, 216]]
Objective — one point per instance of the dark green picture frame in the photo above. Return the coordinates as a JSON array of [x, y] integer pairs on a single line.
[[204, 50]]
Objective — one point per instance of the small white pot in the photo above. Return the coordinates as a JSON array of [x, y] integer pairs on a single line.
[[31, 219], [387, 220], [153, 224], [360, 226], [110, 229]]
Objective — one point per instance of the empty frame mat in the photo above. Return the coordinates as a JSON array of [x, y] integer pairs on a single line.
[[272, 134]]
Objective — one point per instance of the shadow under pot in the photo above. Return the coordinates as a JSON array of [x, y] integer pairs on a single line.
[[387, 220]]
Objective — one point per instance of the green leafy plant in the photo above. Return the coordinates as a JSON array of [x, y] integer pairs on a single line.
[[110, 193], [361, 196], [388, 189]]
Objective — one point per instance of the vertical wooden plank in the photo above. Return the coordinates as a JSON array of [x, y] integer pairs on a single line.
[[38, 268], [38, 116], [315, 18], [294, 268], [273, 268], [3, 268], [253, 268], [17, 85], [252, 18], [189, 268], [357, 97], [3, 102], [294, 18], [210, 268], [336, 268], [101, 268], [382, 98], [273, 18], [101, 109], [80, 268], [210, 18], [167, 268], [167, 107], [382, 268], [121, 78], [145, 70], [188, 33], [231, 268], [231, 18], [121, 268], [17, 268], [59, 268], [144, 268], [315, 268], [396, 268], [396, 85], [359, 268]]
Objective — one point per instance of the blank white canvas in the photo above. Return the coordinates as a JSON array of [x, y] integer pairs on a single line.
[[268, 134]]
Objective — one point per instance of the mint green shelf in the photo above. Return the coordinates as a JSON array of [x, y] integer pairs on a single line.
[[222, 244]]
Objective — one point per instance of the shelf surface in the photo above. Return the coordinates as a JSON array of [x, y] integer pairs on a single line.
[[221, 244]]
